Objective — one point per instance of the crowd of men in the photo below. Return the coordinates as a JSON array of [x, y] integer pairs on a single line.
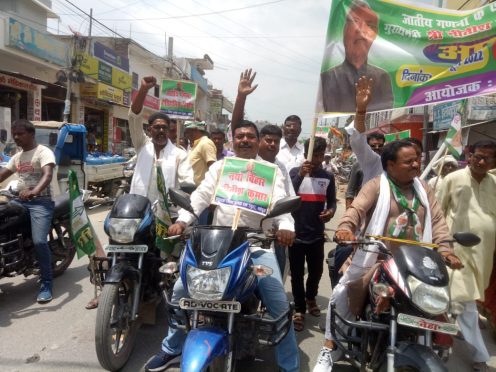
[[384, 174], [385, 197]]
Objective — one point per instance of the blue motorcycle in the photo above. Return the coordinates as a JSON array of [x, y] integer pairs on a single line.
[[222, 315]]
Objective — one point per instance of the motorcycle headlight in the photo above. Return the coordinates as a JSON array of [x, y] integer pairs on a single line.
[[122, 230], [432, 300], [207, 284]]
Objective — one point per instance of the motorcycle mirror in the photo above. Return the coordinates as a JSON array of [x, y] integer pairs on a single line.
[[181, 199], [466, 239], [188, 188], [283, 206]]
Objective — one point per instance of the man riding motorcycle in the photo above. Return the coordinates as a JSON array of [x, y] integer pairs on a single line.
[[34, 165], [396, 204], [271, 290]]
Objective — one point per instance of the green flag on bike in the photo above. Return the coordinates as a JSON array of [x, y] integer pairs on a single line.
[[81, 229], [162, 216]]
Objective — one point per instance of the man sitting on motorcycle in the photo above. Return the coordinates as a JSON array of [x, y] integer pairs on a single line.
[[246, 141], [34, 166], [396, 204], [155, 149]]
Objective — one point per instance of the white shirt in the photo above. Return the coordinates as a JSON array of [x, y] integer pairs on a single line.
[[184, 173], [369, 161], [291, 157], [224, 214], [288, 185]]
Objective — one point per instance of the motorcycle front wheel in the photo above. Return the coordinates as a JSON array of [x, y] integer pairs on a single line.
[[115, 332]]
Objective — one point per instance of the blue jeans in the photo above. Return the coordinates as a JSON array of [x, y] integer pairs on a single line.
[[273, 296], [41, 213]]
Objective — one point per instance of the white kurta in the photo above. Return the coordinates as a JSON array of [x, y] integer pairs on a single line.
[[471, 206]]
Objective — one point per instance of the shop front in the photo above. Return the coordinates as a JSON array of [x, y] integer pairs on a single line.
[[97, 101], [22, 96]]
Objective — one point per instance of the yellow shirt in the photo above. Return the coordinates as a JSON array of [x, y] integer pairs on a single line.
[[471, 206], [202, 153]]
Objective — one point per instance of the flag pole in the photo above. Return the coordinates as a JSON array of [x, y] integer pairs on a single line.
[[312, 139], [440, 169], [439, 153]]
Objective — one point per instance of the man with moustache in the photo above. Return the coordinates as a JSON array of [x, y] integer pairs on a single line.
[[468, 200], [270, 138], [155, 149], [338, 83], [396, 204], [270, 142], [246, 146], [291, 152]]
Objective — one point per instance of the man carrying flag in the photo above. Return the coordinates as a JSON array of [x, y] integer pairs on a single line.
[[155, 150]]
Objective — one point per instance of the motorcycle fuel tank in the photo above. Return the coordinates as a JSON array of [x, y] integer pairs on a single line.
[[423, 263], [130, 206], [212, 243]]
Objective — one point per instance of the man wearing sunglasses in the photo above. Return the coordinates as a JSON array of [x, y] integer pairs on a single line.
[[468, 200], [155, 149]]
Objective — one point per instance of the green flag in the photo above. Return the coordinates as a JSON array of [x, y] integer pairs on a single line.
[[390, 137], [81, 229], [453, 138], [162, 216]]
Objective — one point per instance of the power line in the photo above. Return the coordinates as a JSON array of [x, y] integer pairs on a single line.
[[197, 15], [250, 50], [286, 48]]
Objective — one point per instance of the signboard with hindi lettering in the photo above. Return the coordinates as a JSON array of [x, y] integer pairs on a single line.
[[443, 114], [482, 108], [246, 184], [177, 98], [415, 54]]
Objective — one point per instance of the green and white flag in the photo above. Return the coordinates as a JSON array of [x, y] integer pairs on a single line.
[[453, 138], [390, 137], [162, 216], [81, 229]]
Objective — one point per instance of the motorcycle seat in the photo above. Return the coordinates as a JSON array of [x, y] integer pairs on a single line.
[[61, 205], [12, 214]]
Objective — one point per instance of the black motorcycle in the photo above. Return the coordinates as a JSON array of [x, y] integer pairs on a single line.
[[17, 254], [139, 273], [402, 307]]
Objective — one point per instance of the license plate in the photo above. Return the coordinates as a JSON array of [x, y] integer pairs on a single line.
[[431, 325], [220, 306], [114, 248]]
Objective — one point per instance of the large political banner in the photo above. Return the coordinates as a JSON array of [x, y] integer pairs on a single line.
[[415, 55]]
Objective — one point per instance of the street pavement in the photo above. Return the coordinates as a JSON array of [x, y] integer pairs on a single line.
[[59, 336]]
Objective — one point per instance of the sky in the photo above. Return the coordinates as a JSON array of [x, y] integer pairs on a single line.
[[282, 40]]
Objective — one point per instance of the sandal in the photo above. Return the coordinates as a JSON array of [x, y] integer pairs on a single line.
[[313, 308], [298, 322], [93, 304]]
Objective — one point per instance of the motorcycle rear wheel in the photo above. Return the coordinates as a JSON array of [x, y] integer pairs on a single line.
[[61, 256], [115, 332]]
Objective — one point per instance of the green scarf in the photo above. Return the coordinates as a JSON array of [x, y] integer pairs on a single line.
[[408, 218]]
